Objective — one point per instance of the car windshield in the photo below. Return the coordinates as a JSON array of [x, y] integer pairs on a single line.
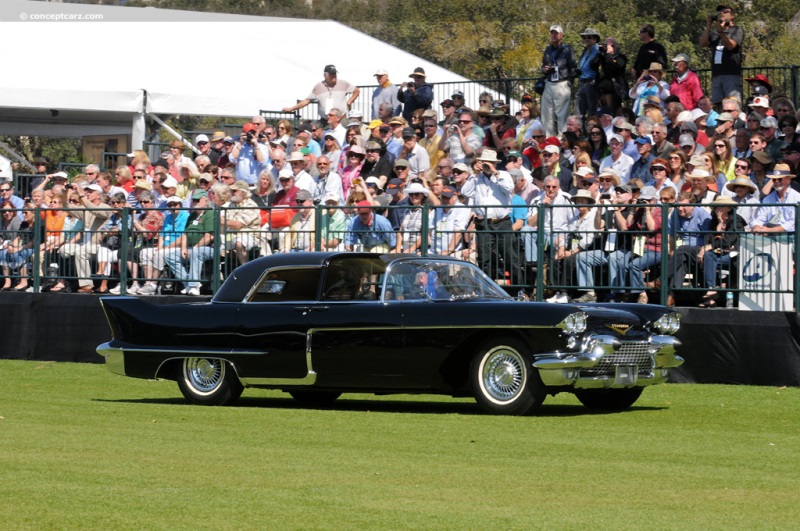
[[423, 279]]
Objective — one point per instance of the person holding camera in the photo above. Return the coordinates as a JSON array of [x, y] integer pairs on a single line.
[[648, 84], [725, 38], [417, 94], [460, 141], [610, 64], [249, 154], [559, 68]]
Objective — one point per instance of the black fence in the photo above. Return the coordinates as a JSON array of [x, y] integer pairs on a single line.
[[554, 258]]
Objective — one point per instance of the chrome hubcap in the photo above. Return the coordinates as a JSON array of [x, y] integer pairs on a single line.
[[203, 374], [503, 374]]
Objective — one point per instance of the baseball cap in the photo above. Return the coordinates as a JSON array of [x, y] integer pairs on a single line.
[[557, 28], [408, 132], [381, 72], [448, 191], [173, 199], [457, 94], [394, 186], [686, 140], [646, 139], [197, 194], [330, 196], [169, 182], [249, 127], [552, 149], [617, 138], [94, 187], [302, 195], [375, 123], [364, 206], [200, 138], [374, 181], [330, 69], [402, 163]]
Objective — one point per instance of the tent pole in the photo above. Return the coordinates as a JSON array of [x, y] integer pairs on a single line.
[[138, 130], [174, 133], [19, 158]]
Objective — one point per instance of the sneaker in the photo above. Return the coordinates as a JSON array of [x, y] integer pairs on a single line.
[[642, 298], [589, 296], [147, 289], [183, 291], [134, 289], [559, 298], [116, 290], [194, 292]]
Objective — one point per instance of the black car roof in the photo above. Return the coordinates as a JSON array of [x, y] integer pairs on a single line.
[[242, 278]]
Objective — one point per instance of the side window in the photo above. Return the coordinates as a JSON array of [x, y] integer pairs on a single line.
[[353, 279], [287, 285]]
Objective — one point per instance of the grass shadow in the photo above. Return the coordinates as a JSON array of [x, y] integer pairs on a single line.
[[388, 406]]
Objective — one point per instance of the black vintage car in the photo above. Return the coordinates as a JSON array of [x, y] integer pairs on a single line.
[[319, 324]]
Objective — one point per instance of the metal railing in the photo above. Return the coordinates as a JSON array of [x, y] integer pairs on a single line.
[[539, 259], [785, 81]]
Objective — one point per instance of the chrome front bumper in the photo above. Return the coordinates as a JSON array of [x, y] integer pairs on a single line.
[[606, 362]]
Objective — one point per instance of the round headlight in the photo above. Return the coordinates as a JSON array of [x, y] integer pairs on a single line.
[[574, 323], [669, 323]]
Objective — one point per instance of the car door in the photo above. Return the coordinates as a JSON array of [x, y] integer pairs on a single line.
[[272, 327]]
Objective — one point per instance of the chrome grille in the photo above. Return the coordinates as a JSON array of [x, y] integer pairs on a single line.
[[629, 353]]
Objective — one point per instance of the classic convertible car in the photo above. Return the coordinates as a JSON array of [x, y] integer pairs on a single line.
[[316, 325]]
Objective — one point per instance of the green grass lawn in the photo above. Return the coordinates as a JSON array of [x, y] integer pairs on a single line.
[[83, 448]]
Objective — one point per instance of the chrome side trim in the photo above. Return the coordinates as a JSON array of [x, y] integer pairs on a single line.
[[309, 379]]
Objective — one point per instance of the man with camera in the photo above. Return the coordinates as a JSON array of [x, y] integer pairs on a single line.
[[249, 154], [491, 192], [417, 94], [724, 37], [559, 68]]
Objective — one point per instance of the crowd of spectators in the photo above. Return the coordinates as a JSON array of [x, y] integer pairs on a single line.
[[466, 179]]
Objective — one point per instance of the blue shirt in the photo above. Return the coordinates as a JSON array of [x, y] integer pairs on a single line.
[[782, 213], [174, 226], [247, 167], [378, 233], [586, 72], [692, 229], [519, 208]]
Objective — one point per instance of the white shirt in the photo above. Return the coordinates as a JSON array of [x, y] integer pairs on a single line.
[[493, 192], [304, 181], [622, 166]]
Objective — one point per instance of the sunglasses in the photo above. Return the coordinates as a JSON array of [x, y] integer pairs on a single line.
[[537, 136], [719, 146], [743, 166], [465, 121], [604, 180], [148, 202], [595, 133]]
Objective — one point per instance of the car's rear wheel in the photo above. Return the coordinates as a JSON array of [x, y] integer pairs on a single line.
[[209, 382], [503, 380], [315, 398], [608, 399]]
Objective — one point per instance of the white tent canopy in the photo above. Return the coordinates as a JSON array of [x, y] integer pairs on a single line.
[[103, 77]]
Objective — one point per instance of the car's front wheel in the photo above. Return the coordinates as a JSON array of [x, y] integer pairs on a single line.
[[608, 399], [209, 382], [503, 380]]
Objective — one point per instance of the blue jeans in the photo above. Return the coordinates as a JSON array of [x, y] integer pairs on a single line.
[[197, 257], [711, 261], [618, 264], [584, 262], [639, 264], [174, 260]]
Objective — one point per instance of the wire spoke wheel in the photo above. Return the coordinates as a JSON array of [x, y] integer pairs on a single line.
[[209, 381], [503, 380]]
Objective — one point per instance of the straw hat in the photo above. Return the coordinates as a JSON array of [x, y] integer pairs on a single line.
[[723, 200], [741, 181], [701, 174], [584, 194], [781, 170]]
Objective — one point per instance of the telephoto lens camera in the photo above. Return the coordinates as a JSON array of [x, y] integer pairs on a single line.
[[411, 85]]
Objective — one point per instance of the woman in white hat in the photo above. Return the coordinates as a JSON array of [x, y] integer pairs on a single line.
[[726, 224]]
